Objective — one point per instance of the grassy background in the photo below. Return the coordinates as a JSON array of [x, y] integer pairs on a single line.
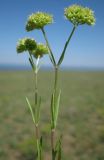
[[81, 118]]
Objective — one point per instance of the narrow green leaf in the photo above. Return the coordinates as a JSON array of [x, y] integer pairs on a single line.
[[29, 105], [57, 104]]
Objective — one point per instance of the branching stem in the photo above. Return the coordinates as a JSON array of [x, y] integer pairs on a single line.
[[56, 67]]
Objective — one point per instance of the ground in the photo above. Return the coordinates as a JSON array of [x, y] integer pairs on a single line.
[[81, 117]]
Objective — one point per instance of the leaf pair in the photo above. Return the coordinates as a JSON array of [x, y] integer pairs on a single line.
[[36, 115], [55, 102]]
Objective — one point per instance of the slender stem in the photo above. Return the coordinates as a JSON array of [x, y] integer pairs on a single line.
[[56, 78], [37, 141], [50, 51], [55, 90], [37, 131], [35, 69], [52, 143], [65, 46], [52, 138], [36, 88], [67, 42], [36, 103], [53, 130]]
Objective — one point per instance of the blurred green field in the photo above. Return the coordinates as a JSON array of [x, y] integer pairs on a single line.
[[81, 118]]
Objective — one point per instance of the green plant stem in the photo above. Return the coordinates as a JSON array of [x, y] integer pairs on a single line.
[[36, 103], [34, 67], [36, 125], [52, 138], [65, 46], [36, 89], [53, 130], [69, 38], [56, 78], [37, 141], [55, 90], [50, 51]]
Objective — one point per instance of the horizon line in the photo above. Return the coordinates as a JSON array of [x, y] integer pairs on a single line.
[[48, 67]]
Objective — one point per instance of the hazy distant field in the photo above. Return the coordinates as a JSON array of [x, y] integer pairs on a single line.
[[81, 114]]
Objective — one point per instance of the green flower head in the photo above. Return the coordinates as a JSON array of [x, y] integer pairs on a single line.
[[79, 15], [26, 44], [40, 50], [38, 20]]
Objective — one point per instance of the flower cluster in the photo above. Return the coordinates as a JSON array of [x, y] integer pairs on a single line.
[[79, 15], [38, 20], [30, 45], [40, 50], [26, 44]]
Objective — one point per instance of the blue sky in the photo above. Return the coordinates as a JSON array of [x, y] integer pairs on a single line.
[[86, 47]]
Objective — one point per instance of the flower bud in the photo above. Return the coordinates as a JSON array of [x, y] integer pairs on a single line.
[[38, 20]]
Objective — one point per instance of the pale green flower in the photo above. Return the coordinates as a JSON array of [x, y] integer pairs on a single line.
[[79, 15], [40, 50], [38, 20], [26, 44]]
